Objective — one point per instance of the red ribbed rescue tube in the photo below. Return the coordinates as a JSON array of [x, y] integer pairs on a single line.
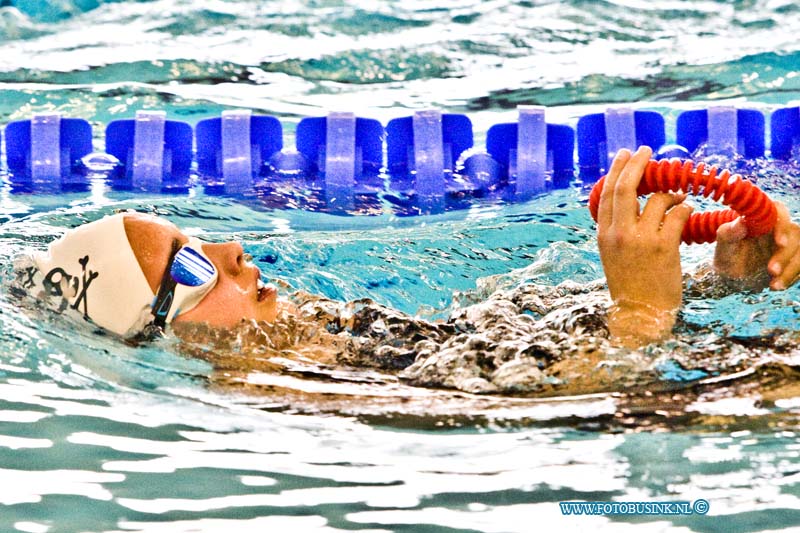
[[743, 198]]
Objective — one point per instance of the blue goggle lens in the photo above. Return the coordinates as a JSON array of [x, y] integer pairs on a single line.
[[190, 268]]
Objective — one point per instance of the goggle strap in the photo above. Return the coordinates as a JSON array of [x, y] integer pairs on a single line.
[[166, 292]]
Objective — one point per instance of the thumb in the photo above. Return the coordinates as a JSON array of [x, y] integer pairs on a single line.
[[732, 232], [676, 219]]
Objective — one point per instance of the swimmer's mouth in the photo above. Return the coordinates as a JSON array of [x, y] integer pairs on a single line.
[[264, 291]]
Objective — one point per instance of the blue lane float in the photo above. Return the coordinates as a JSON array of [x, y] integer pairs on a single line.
[[533, 154], [423, 163], [234, 149], [421, 151], [723, 130], [154, 153], [601, 135], [44, 153], [346, 152], [785, 133]]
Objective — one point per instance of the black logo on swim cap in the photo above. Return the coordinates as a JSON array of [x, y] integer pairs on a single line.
[[25, 277], [56, 277]]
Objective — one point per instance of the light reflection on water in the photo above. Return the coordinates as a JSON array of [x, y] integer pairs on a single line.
[[162, 459]]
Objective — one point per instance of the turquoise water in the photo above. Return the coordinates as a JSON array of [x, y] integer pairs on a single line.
[[96, 435]]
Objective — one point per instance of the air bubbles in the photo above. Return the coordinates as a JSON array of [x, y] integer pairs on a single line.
[[670, 151], [99, 162]]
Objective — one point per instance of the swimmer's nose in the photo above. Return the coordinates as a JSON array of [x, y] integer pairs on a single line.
[[227, 256]]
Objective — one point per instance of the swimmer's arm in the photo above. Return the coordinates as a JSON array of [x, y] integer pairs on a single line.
[[639, 252], [754, 263]]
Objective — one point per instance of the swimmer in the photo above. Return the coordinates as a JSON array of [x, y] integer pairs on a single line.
[[640, 253], [133, 274], [139, 276]]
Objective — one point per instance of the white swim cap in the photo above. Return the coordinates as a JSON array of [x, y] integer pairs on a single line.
[[93, 271]]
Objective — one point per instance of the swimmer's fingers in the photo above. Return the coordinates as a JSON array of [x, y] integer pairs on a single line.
[[789, 271], [784, 265], [606, 205], [656, 208], [674, 222], [626, 202]]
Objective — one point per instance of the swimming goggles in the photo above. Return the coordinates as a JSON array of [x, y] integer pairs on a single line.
[[188, 277]]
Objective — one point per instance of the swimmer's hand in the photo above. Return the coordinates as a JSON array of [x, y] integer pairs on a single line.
[[774, 256], [640, 252]]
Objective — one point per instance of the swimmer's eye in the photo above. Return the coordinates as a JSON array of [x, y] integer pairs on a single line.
[[248, 258]]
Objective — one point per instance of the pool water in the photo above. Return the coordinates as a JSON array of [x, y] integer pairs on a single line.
[[219, 432]]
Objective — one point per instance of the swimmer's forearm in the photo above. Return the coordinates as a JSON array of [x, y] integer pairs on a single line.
[[633, 324]]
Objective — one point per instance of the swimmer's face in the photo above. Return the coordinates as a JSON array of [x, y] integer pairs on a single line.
[[234, 297]]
